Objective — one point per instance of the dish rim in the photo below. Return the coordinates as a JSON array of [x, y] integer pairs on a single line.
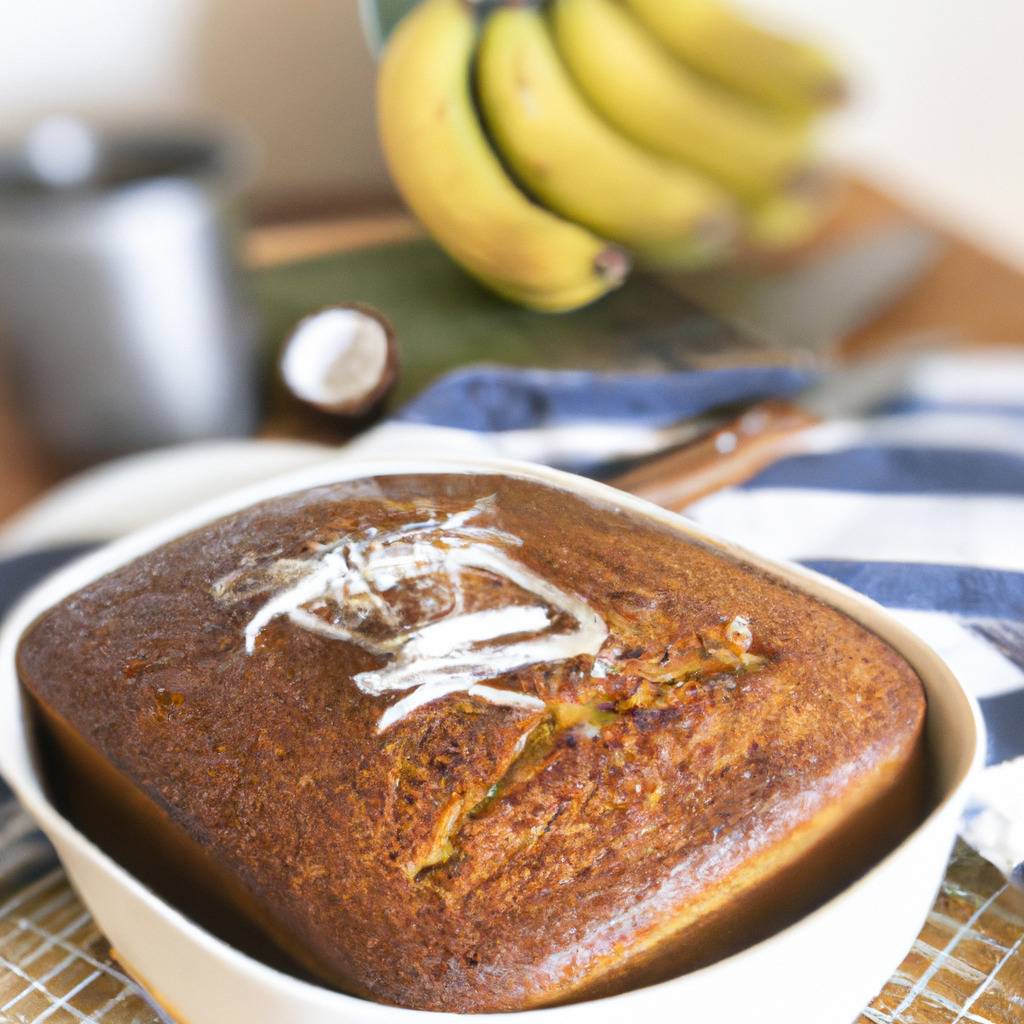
[[17, 760]]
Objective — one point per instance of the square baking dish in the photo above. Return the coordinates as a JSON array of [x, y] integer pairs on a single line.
[[836, 957]]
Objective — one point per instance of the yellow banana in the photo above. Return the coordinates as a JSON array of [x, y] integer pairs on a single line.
[[773, 225], [572, 160], [654, 99], [770, 69], [444, 167], [787, 221], [685, 254]]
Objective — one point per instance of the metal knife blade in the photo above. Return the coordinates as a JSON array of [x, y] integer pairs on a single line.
[[814, 305], [856, 388]]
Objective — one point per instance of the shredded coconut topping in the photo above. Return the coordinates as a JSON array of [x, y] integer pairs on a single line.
[[360, 589], [738, 634]]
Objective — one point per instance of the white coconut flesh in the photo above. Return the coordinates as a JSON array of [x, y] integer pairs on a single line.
[[336, 358]]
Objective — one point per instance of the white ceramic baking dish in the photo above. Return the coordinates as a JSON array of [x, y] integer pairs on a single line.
[[821, 970]]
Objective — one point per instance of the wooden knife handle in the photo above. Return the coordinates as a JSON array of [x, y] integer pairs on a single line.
[[730, 454]]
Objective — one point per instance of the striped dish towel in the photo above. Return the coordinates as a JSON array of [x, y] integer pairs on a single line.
[[919, 505]]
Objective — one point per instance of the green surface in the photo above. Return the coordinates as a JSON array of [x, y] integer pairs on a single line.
[[381, 16], [443, 319]]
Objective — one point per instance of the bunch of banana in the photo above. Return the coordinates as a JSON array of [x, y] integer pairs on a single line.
[[540, 143]]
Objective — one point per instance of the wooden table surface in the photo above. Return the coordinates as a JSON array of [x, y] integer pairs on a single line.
[[968, 962]]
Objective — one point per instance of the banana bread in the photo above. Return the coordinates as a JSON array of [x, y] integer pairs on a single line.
[[473, 743]]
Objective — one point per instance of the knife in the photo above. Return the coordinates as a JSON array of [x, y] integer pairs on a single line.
[[740, 447], [826, 297]]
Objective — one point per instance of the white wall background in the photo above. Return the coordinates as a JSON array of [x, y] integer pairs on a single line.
[[297, 73], [939, 111]]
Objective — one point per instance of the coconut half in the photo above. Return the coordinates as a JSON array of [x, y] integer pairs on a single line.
[[342, 359]]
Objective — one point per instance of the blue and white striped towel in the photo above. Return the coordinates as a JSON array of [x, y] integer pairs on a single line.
[[919, 505]]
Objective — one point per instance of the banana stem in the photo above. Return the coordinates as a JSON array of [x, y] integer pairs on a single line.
[[613, 265]]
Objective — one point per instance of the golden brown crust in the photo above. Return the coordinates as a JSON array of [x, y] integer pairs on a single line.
[[447, 862]]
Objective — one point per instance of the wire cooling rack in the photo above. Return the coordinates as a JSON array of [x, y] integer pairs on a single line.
[[968, 962], [966, 965], [55, 964]]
